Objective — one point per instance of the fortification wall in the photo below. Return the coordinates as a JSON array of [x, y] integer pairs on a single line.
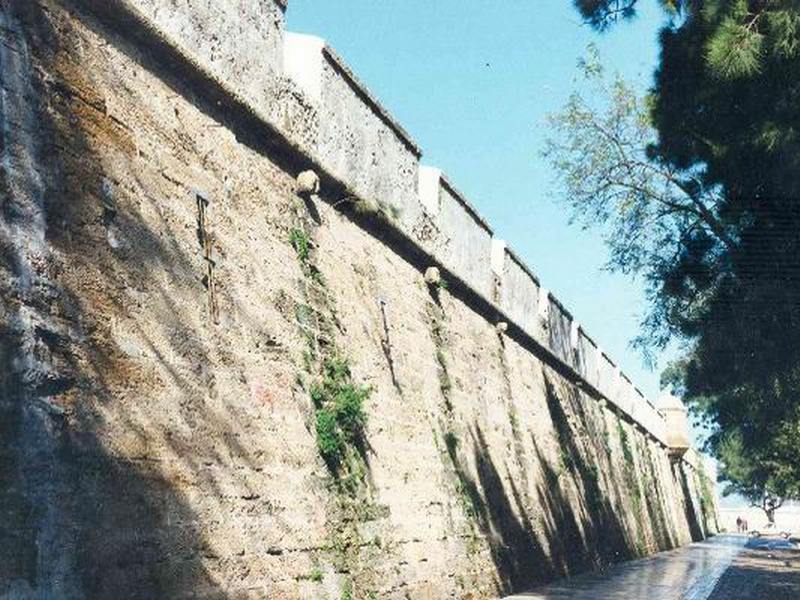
[[170, 303]]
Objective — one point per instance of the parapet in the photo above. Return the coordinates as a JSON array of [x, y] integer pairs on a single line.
[[461, 239], [358, 141], [517, 287], [559, 330], [241, 43], [588, 357]]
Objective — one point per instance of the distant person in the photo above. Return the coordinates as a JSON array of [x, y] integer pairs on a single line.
[[738, 524]]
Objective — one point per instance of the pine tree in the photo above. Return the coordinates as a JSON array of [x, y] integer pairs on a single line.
[[725, 109]]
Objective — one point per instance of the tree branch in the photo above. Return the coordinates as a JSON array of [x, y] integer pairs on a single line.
[[628, 163]]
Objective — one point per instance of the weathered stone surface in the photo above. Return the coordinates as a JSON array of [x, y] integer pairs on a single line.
[[433, 276], [240, 41], [463, 240], [157, 435], [308, 182], [677, 418]]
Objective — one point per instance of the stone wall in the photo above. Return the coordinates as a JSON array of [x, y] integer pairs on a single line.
[[170, 303]]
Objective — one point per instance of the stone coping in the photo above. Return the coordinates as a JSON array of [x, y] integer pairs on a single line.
[[462, 200], [363, 92]]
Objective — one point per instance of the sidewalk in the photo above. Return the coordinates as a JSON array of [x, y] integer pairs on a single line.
[[765, 569], [688, 573]]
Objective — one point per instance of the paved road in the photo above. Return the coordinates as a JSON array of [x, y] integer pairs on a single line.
[[767, 569], [689, 573]]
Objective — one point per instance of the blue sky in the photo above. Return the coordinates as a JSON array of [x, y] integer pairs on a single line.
[[473, 82]]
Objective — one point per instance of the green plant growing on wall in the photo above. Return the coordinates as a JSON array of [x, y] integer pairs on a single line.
[[467, 493], [656, 503], [707, 504], [467, 497], [513, 420], [566, 461], [306, 318], [339, 416], [706, 495], [606, 440], [436, 318], [636, 497], [627, 453], [330, 441], [380, 210], [301, 244], [340, 413], [347, 591], [389, 210], [632, 484]]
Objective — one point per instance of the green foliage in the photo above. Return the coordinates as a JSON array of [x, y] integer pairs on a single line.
[[606, 440], [740, 35], [306, 318], [696, 186], [602, 14], [763, 480], [513, 420], [783, 33], [389, 210], [706, 497], [469, 498], [735, 50], [624, 441], [350, 410], [438, 334], [347, 591], [451, 443], [340, 414], [636, 499], [754, 431], [337, 371], [301, 244], [316, 575], [651, 213], [317, 394], [330, 440]]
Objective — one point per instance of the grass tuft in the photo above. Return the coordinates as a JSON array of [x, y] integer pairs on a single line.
[[301, 244], [341, 417]]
